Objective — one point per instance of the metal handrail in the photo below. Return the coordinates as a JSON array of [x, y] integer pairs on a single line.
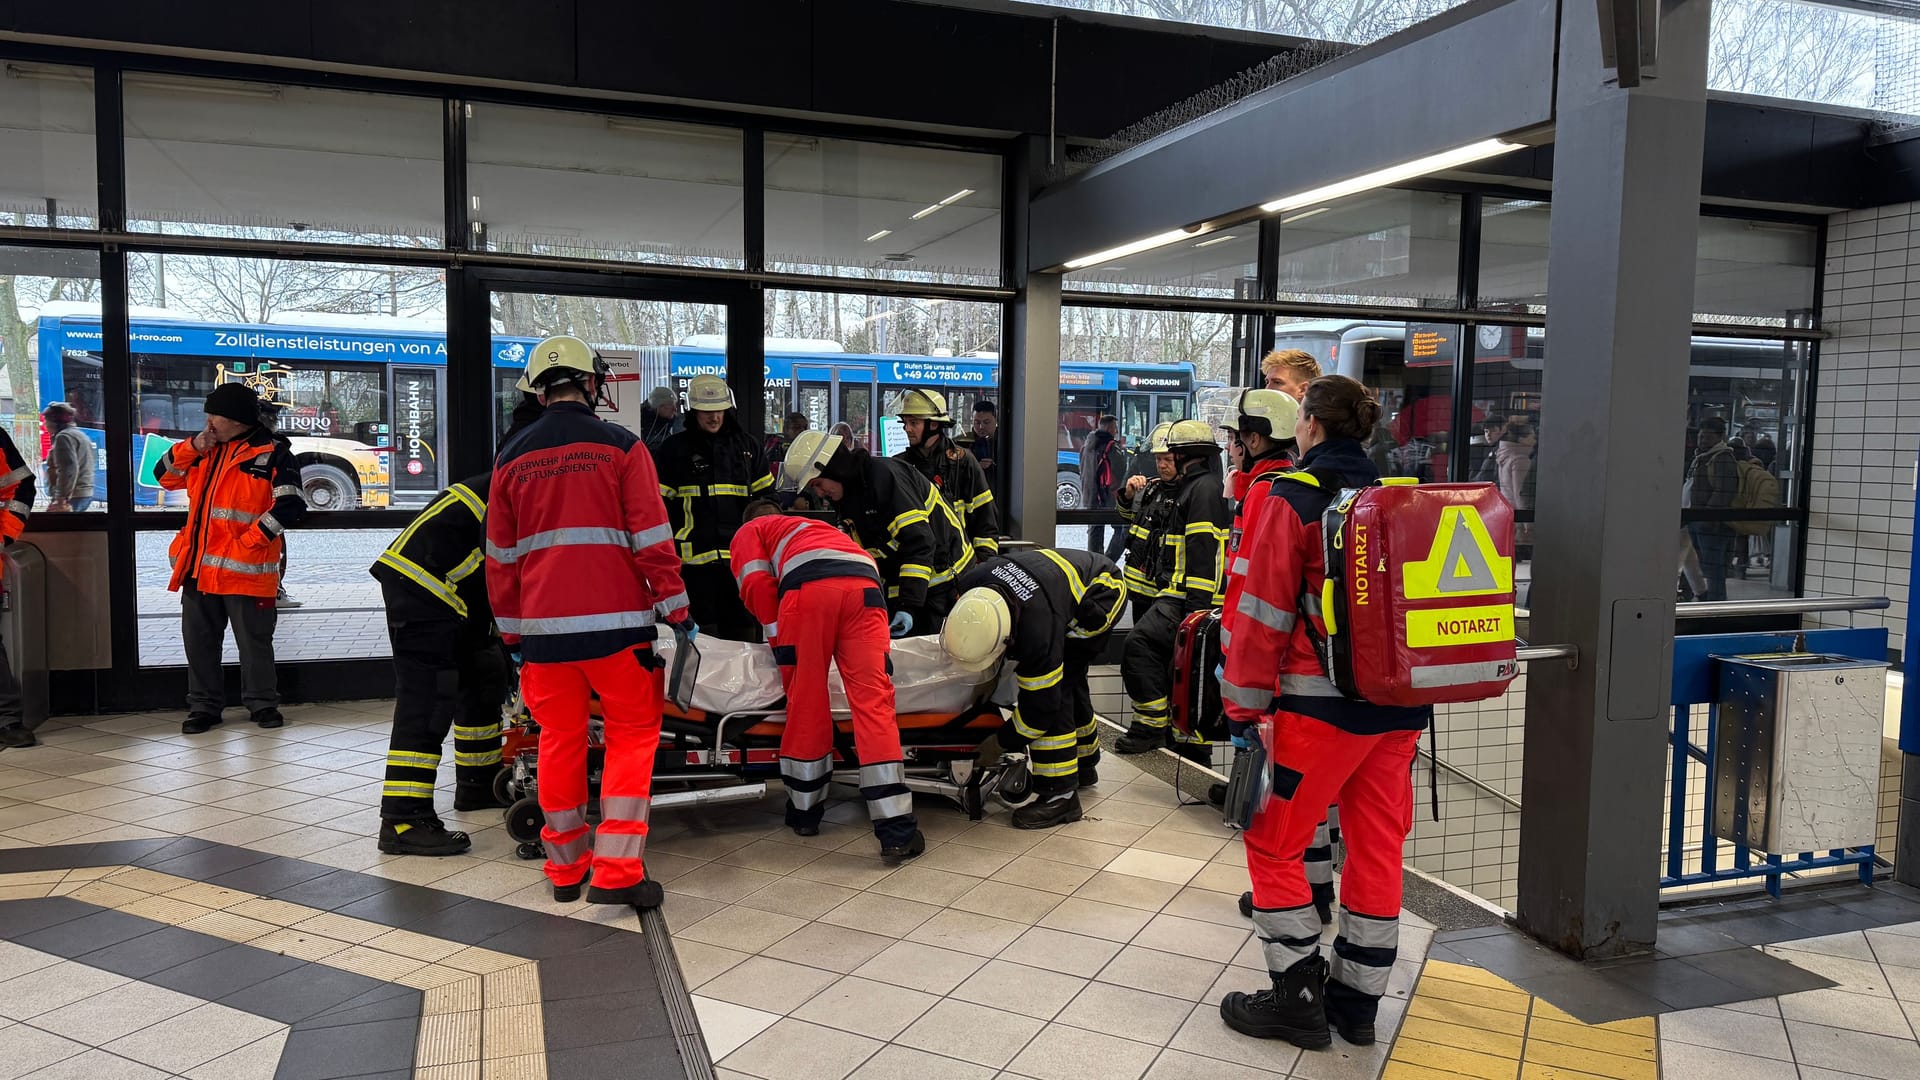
[[1798, 606], [1547, 652]]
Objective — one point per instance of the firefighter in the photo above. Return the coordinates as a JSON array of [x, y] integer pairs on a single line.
[[951, 469], [243, 491], [819, 597], [1197, 527], [580, 568], [450, 673], [707, 473], [894, 513], [1146, 502], [1324, 747], [16, 499], [1050, 612]]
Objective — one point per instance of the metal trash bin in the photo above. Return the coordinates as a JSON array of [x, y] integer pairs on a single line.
[[1797, 751], [23, 626]]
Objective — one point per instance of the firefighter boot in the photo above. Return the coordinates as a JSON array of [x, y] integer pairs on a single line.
[[468, 797], [1046, 813], [1140, 739], [915, 845], [1294, 1009], [1351, 1012], [428, 837], [16, 736], [645, 895]]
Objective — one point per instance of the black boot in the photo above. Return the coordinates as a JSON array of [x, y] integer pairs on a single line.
[[199, 722], [16, 736], [421, 838], [1141, 739], [1351, 1012], [1089, 775], [269, 717], [476, 797], [804, 822], [566, 894], [1246, 905], [1294, 1009], [914, 845], [1045, 813], [1217, 796], [1323, 903], [645, 896]]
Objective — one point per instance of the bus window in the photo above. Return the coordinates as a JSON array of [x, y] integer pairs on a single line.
[[1136, 417], [857, 410], [1168, 408]]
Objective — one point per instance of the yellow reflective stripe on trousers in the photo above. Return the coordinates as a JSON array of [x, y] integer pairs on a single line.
[[1041, 682], [406, 789], [484, 757], [479, 731], [413, 759]]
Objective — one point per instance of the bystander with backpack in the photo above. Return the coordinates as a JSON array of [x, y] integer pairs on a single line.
[[1759, 490], [1103, 466], [1713, 483]]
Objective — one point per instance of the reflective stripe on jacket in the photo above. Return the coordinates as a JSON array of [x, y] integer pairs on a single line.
[[16, 489], [777, 553], [440, 555], [707, 481], [1149, 558], [1253, 491], [241, 495], [911, 532], [1197, 538], [957, 474], [580, 558]]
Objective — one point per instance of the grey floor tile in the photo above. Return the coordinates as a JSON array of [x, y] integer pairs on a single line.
[[743, 928], [1726, 1029], [770, 857], [1014, 903], [997, 836], [153, 952], [700, 962], [865, 1007], [960, 859], [768, 985], [717, 881], [970, 1032], [86, 934], [17, 960], [796, 1050], [1895, 950], [29, 1050], [1683, 1059], [1205, 1034], [1214, 907], [53, 987], [1189, 937], [727, 1027], [925, 884], [1180, 1065], [1126, 1012], [104, 1017], [1066, 1053], [1853, 1012], [1852, 946], [218, 974], [906, 1063], [1162, 973], [964, 931], [680, 910], [1077, 852], [800, 899], [1058, 950], [1054, 877], [1127, 891], [1110, 922], [98, 1065], [1030, 991], [835, 948], [920, 967], [876, 913], [1808, 1072], [1852, 976], [851, 871], [354, 1050], [303, 992], [1852, 1051]]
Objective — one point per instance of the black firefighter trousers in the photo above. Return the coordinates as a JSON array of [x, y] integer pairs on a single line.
[[449, 675]]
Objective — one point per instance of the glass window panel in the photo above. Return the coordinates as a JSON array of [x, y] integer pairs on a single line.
[[1513, 254], [1753, 271], [589, 185], [1815, 52], [39, 289], [47, 174], [840, 357], [1380, 247], [349, 361], [1408, 366], [332, 608], [1223, 264], [862, 209], [223, 158]]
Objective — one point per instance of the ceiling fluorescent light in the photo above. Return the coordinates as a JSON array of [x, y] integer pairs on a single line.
[[1394, 174], [878, 235], [956, 196], [928, 210], [1148, 244], [1291, 218], [1216, 240]]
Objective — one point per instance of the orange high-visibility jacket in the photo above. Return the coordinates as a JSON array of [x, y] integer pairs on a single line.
[[16, 489], [241, 495]]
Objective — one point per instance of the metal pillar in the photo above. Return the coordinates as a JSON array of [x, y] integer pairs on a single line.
[[1626, 193], [1031, 424]]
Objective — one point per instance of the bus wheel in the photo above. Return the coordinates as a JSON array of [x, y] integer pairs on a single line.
[[1066, 492], [328, 488]]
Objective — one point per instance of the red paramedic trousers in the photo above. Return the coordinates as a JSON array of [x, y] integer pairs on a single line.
[[559, 696]]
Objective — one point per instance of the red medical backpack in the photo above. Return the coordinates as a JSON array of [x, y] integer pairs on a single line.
[[1418, 601]]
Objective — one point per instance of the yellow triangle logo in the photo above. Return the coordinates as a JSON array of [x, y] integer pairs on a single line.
[[1463, 561]]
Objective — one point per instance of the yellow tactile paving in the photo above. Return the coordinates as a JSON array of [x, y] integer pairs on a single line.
[[166, 909], [514, 1031], [514, 986], [87, 873], [482, 961], [277, 912], [26, 892], [235, 928], [373, 963], [300, 945], [434, 975], [32, 877], [466, 1070], [107, 895], [525, 1067], [419, 946], [147, 881], [341, 928], [447, 1039], [212, 896], [1468, 1022], [463, 995]]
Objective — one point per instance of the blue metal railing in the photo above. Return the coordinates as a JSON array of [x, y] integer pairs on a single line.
[[1695, 684]]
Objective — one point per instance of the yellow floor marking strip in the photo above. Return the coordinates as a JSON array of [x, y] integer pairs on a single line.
[[1465, 1022]]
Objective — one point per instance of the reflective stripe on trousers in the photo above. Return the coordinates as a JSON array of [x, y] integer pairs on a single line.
[[884, 786], [1365, 951], [806, 780], [1289, 936]]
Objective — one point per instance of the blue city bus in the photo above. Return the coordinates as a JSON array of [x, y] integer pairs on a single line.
[[362, 403]]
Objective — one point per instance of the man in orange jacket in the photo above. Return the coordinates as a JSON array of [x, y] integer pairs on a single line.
[[818, 596], [581, 567], [243, 491], [16, 498]]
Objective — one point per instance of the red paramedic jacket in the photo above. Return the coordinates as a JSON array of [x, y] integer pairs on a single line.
[[1251, 489], [580, 557], [774, 554], [1277, 612]]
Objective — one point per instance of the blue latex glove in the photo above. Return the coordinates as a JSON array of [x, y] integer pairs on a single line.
[[514, 655], [1220, 673], [689, 629], [902, 624]]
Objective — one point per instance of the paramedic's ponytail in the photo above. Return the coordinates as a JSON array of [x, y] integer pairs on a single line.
[[1345, 408]]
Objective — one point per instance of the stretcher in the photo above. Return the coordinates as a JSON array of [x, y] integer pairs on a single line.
[[725, 746]]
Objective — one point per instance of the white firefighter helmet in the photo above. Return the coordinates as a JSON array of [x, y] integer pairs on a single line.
[[709, 393], [1191, 435], [1268, 412], [806, 456], [563, 358], [1157, 439], [1217, 406], [925, 404], [978, 629]]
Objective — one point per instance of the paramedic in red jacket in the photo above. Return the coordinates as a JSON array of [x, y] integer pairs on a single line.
[[580, 566], [818, 597], [1325, 748]]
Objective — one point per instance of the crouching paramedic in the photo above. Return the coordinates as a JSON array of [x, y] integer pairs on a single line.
[[1325, 748], [1050, 613], [819, 598], [1146, 502], [580, 563], [897, 515], [951, 469], [449, 671], [1196, 531], [707, 474]]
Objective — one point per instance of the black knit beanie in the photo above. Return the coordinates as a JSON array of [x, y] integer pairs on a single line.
[[234, 401]]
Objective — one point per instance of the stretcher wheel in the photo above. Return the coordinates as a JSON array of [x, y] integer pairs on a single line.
[[524, 821], [503, 786], [1016, 783], [529, 851]]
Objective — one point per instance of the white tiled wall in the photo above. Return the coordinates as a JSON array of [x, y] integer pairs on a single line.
[[1867, 415]]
